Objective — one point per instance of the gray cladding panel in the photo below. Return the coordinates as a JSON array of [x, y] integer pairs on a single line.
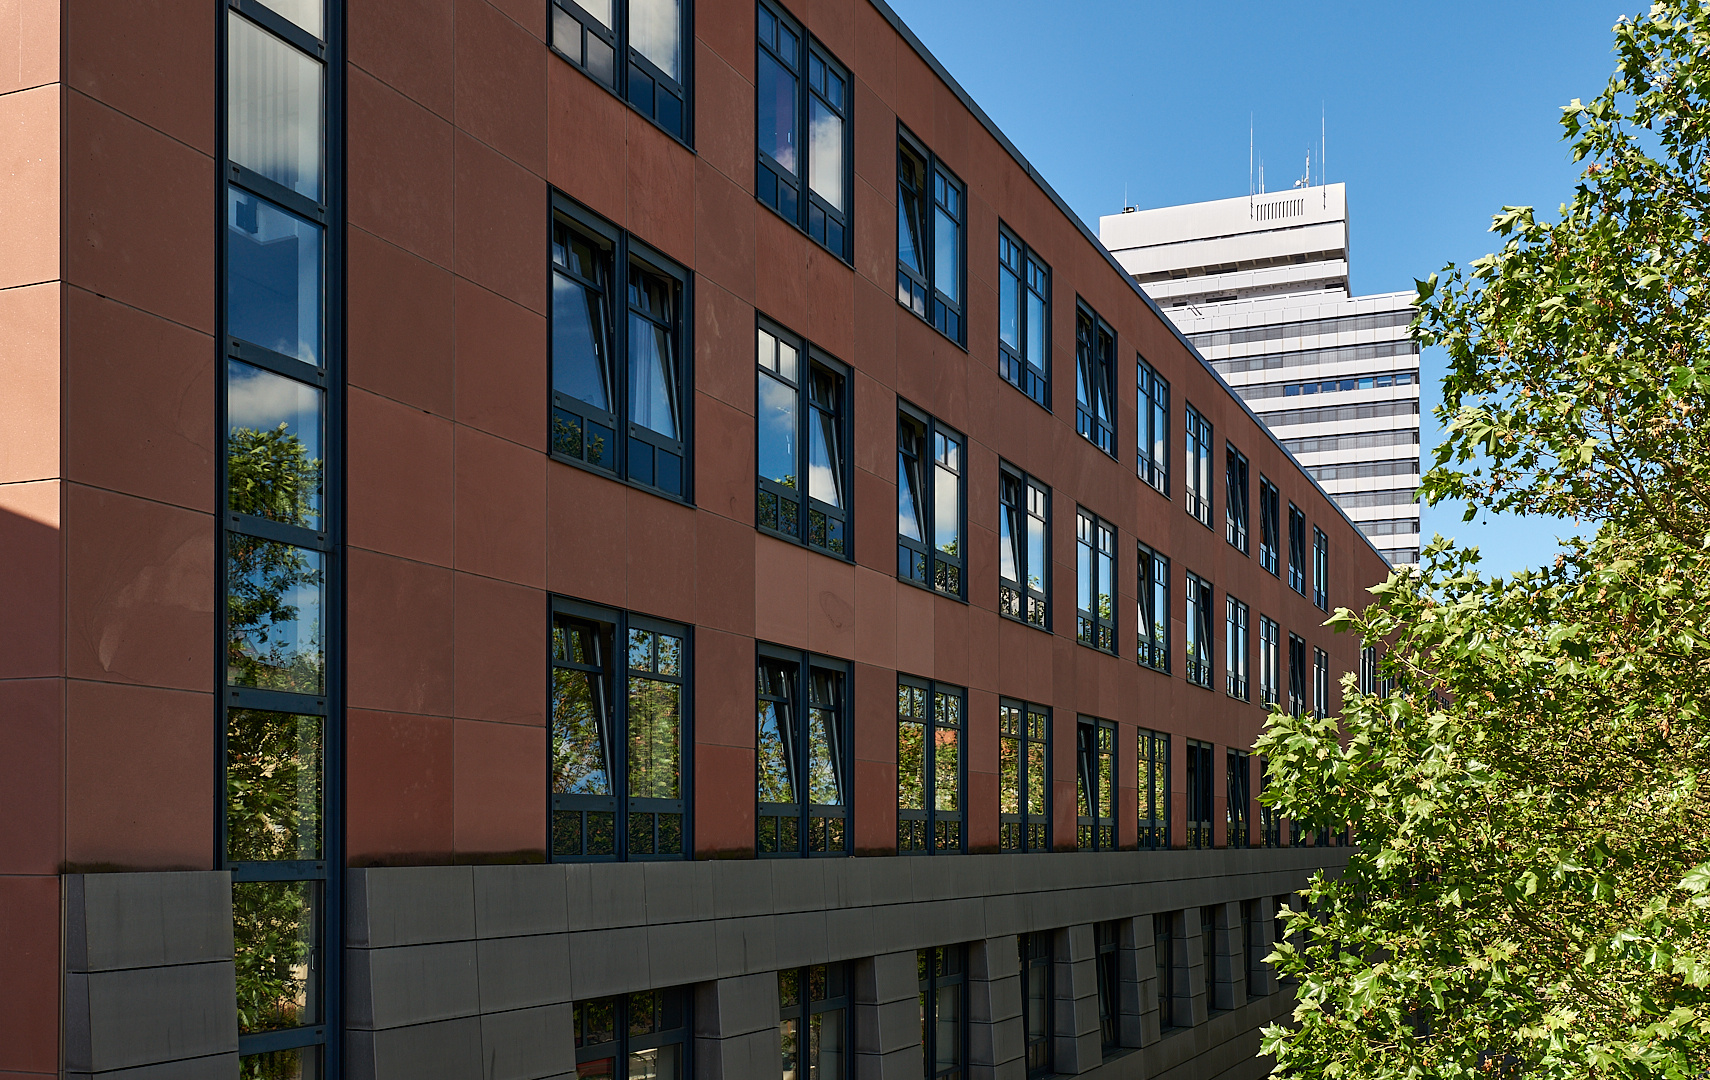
[[115, 921], [147, 1016]]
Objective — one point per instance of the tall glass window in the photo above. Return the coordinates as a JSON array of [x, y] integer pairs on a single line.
[[932, 503], [1214, 992], [1037, 1000], [1024, 547], [635, 48], [1270, 662], [1153, 632], [931, 238], [614, 298], [1200, 597], [1320, 683], [1270, 542], [1024, 776], [802, 426], [1296, 550], [1024, 318], [803, 110], [1320, 569], [1296, 676], [1095, 379], [1270, 819], [1197, 487], [1235, 499], [931, 767], [1154, 793], [619, 737], [279, 571], [1235, 643], [1095, 762], [815, 1023], [801, 754], [1239, 789], [642, 1036], [1154, 432], [943, 1012], [1201, 784], [1095, 581], [1107, 938], [1163, 954]]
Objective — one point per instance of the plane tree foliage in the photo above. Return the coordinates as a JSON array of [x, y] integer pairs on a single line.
[[1530, 893]]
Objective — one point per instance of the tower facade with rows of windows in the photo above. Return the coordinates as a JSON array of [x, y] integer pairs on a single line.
[[626, 538]]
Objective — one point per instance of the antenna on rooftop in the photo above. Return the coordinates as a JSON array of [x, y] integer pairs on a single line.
[[1323, 171]]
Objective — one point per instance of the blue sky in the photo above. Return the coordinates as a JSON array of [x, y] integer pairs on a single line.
[[1437, 115]]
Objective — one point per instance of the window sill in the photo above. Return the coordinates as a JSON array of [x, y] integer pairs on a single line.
[[688, 107], [934, 326], [798, 542], [1164, 671], [1019, 621], [1029, 397], [929, 589], [1096, 649], [616, 479], [796, 225]]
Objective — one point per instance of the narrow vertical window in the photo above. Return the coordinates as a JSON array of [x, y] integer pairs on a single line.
[[1270, 820], [619, 738], [1163, 954], [802, 130], [1214, 993], [1153, 583], [1037, 1000], [1235, 499], [1197, 487], [1320, 683], [943, 1012], [642, 1036], [634, 48], [931, 503], [1096, 791], [1250, 948], [1270, 542], [931, 238], [1024, 318], [803, 466], [1154, 793], [1154, 416], [1024, 745], [620, 386], [1095, 581], [801, 743], [1024, 531], [1368, 670], [815, 1023], [1320, 569], [1296, 550], [931, 767], [1270, 662], [1095, 379], [1235, 643], [1296, 676], [1201, 781], [1199, 642], [1239, 796], [1107, 937]]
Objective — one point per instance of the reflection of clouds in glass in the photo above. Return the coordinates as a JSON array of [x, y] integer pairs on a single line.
[[825, 153], [261, 400], [655, 32]]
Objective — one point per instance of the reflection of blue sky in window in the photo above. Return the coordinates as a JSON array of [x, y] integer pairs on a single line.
[[655, 31], [262, 401]]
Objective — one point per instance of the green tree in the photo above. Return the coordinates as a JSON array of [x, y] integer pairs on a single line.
[[1529, 894]]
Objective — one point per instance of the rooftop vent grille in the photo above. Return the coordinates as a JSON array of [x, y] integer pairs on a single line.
[[1282, 208]]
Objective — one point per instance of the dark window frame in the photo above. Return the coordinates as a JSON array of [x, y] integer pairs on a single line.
[[1270, 661], [838, 980], [1270, 528], [1197, 496], [1296, 549], [1019, 601], [1320, 683], [1107, 941], [1235, 497], [1208, 946], [798, 668], [917, 290], [568, 418], [1095, 756], [1152, 749], [624, 1041], [943, 967], [1199, 640], [1095, 539], [936, 568], [830, 228], [573, 19], [1320, 569], [932, 837], [1237, 649], [1031, 275], [1035, 953], [1296, 675], [1152, 636], [1238, 788], [1201, 793], [615, 624], [1095, 374], [1164, 960], [1270, 819], [838, 531], [1022, 829], [1153, 427]]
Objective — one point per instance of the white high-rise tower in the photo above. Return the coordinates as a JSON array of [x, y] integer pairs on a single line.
[[1260, 285]]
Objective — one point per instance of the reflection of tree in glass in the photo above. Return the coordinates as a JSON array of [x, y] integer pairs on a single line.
[[911, 765], [273, 786], [274, 932], [579, 764], [270, 475], [654, 728]]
